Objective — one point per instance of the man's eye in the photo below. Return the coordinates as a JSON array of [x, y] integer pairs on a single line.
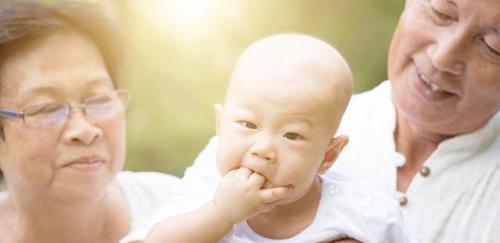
[[293, 136], [248, 125], [491, 49], [441, 16]]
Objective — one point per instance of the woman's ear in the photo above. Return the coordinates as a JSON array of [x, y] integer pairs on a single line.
[[1, 130], [332, 153], [218, 115]]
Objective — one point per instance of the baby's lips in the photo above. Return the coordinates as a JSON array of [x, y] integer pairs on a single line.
[[267, 185]]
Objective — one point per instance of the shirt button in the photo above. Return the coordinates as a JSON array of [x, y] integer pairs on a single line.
[[399, 159], [425, 171], [403, 200]]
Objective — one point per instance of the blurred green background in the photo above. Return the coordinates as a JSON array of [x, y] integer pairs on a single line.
[[181, 52]]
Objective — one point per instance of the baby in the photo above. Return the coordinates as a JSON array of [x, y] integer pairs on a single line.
[[275, 133]]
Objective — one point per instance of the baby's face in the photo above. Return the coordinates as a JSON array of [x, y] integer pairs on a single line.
[[280, 132]]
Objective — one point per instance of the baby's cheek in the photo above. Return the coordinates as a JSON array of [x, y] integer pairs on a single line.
[[224, 163], [299, 173], [227, 158]]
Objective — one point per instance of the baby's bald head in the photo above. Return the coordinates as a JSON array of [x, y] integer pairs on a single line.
[[289, 67]]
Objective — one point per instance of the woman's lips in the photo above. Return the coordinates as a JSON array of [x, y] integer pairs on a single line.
[[86, 163]]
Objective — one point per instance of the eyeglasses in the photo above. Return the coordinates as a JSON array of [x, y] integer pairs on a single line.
[[53, 114]]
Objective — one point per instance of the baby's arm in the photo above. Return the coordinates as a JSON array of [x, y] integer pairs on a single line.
[[238, 197]]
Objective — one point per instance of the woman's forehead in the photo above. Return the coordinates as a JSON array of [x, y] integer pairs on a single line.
[[57, 60]]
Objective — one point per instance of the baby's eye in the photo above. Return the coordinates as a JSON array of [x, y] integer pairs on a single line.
[[248, 125], [293, 136]]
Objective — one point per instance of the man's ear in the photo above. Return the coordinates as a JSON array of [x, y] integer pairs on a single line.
[[334, 148], [218, 115]]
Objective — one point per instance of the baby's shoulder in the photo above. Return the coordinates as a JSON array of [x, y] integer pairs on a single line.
[[146, 178], [358, 197], [360, 210], [147, 190]]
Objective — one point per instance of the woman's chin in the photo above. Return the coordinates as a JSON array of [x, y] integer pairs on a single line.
[[82, 190]]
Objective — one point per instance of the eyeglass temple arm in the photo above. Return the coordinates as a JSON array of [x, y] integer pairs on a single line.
[[9, 113]]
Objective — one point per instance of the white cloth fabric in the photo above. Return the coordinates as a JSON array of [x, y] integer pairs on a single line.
[[458, 202], [346, 208], [145, 193]]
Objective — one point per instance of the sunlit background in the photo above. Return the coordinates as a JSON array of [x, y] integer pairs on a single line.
[[181, 52]]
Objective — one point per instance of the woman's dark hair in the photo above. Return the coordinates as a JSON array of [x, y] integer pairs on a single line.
[[21, 21]]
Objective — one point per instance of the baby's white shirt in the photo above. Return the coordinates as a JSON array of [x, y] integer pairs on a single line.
[[346, 208]]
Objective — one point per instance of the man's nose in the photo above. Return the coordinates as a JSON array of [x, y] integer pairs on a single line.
[[448, 53]]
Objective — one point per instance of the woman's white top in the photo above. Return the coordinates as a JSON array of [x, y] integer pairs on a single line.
[[145, 193]]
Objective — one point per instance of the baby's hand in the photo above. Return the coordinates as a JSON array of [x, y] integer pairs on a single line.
[[239, 195]]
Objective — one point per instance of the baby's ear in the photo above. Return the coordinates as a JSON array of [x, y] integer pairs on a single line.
[[218, 114], [334, 148]]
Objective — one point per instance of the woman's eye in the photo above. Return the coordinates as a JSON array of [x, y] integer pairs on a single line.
[[99, 100], [43, 109], [248, 125], [293, 136]]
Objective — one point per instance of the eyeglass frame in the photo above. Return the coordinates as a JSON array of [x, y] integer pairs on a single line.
[[9, 113]]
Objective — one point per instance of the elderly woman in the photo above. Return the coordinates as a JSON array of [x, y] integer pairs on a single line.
[[430, 136], [62, 129]]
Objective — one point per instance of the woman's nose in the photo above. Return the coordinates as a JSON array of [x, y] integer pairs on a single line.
[[81, 130]]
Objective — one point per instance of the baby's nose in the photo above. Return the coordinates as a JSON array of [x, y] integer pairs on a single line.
[[263, 149]]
